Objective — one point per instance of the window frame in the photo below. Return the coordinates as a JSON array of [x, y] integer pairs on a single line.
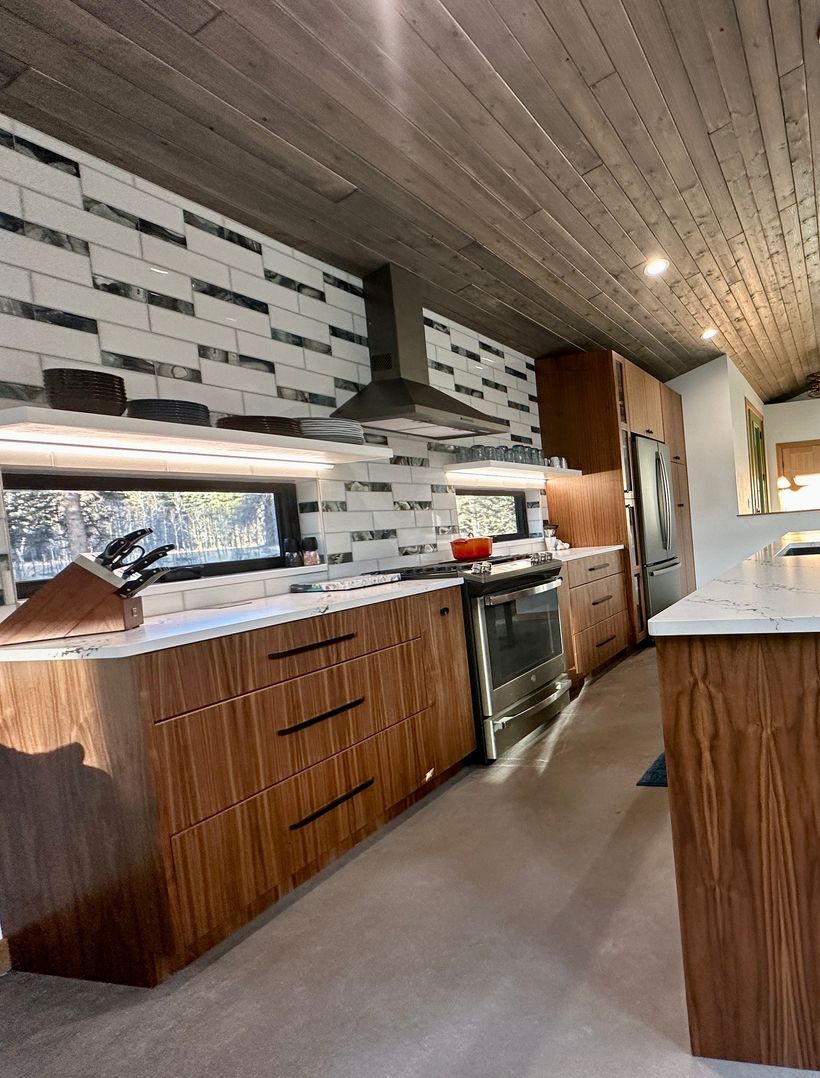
[[285, 500], [520, 501]]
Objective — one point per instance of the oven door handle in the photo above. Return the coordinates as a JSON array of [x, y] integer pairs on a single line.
[[563, 684], [511, 596]]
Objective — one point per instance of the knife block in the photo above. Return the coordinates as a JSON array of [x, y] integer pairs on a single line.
[[80, 600]]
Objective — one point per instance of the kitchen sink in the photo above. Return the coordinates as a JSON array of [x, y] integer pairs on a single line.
[[798, 549]]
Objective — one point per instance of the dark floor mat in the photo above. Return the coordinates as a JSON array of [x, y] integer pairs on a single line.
[[655, 774]]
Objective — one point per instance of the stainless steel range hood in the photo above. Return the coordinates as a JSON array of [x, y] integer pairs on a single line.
[[400, 397]]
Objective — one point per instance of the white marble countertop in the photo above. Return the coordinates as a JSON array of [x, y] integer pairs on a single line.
[[585, 551], [187, 627], [766, 593]]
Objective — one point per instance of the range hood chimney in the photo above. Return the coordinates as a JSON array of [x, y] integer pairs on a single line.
[[400, 397]]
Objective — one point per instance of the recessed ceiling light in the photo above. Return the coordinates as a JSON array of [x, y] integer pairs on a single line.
[[708, 334], [656, 266]]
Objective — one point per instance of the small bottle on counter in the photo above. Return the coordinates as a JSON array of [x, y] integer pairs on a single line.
[[293, 555], [310, 551]]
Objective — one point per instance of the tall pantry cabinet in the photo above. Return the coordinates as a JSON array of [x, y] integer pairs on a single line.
[[590, 404]]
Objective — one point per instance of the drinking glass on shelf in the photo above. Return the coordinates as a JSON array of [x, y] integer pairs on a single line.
[[482, 452]]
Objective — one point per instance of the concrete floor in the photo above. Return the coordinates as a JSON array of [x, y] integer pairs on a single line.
[[520, 922]]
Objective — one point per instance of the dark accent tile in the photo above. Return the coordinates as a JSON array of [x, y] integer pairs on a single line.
[[440, 326], [334, 507], [102, 209], [241, 241], [347, 385], [442, 447], [519, 407], [491, 348], [225, 294], [300, 342], [375, 439], [515, 373], [18, 391], [346, 335], [306, 398], [216, 355], [47, 157], [377, 533], [308, 507], [254, 364], [6, 139], [295, 286], [170, 303], [533, 505], [12, 224], [536, 535], [403, 506], [465, 352], [521, 439], [535, 430], [503, 422], [127, 363], [176, 370], [64, 318], [202, 223], [419, 548], [413, 462], [345, 286], [119, 288], [446, 529], [442, 488], [55, 238], [532, 398], [340, 559], [374, 488], [530, 366], [151, 228], [494, 385], [436, 366], [468, 391]]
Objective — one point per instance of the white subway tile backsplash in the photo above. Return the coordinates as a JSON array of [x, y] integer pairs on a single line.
[[266, 348], [14, 282], [91, 302], [157, 252], [120, 267], [375, 548], [260, 288], [293, 322], [323, 312], [294, 268], [231, 254], [348, 522], [356, 353], [232, 315], [123, 196], [132, 342], [173, 324], [36, 176], [10, 201], [336, 297], [78, 222], [39, 138], [26, 366], [216, 398], [233, 376], [31, 336], [33, 254]]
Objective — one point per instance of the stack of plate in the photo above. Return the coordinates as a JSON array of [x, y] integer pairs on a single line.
[[261, 424], [76, 390], [333, 430], [170, 411]]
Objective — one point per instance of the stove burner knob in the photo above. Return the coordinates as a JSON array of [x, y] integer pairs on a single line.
[[481, 567]]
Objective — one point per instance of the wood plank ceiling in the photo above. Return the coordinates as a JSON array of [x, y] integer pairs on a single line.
[[527, 157]]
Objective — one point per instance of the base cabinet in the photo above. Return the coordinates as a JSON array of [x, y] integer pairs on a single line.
[[148, 825], [594, 611]]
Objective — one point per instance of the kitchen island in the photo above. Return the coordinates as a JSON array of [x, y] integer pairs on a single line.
[[739, 663]]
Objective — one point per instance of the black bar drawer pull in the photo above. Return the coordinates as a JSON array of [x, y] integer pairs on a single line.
[[606, 641], [311, 647], [597, 602], [331, 805], [319, 718], [595, 568]]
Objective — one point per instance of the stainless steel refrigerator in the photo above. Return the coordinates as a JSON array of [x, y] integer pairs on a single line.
[[656, 517]]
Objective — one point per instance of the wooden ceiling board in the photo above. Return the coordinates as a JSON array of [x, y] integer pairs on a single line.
[[526, 159]]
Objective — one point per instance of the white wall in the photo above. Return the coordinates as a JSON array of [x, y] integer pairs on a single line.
[[739, 392], [722, 538], [794, 421]]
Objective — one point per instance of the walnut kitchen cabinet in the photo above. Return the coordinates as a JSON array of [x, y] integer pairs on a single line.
[[672, 408], [594, 617], [590, 404], [683, 522], [159, 801]]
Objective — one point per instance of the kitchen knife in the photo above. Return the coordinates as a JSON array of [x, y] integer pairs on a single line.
[[142, 563], [135, 584], [121, 547]]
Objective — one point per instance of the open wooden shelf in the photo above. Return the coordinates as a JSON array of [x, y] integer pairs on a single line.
[[125, 445], [504, 473]]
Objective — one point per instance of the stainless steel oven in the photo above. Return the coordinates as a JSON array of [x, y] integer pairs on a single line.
[[518, 653]]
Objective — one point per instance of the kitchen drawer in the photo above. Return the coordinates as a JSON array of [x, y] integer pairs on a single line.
[[594, 646], [183, 679], [583, 570], [597, 601], [227, 862], [213, 758]]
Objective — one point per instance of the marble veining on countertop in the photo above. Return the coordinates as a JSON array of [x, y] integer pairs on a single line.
[[766, 593], [190, 626], [585, 551]]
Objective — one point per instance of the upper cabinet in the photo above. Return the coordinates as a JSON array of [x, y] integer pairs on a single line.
[[672, 409], [643, 402]]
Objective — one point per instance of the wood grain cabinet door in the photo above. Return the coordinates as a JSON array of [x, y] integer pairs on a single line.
[[643, 396], [212, 758], [683, 520], [448, 675], [672, 407]]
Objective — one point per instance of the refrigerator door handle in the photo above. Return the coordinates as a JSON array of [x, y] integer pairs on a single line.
[[669, 569], [667, 490], [660, 494]]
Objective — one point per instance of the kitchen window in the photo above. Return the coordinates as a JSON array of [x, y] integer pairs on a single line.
[[217, 527], [501, 514]]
